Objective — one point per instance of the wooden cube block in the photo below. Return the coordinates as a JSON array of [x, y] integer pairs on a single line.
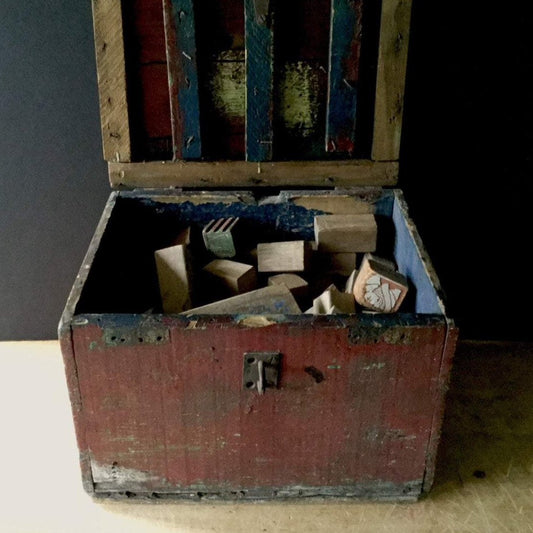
[[378, 287], [333, 302], [346, 233], [273, 300], [174, 279], [342, 263], [234, 276], [385, 263], [218, 237], [334, 204], [297, 285], [289, 256]]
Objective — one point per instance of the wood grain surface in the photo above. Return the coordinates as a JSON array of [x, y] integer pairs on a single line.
[[110, 60]]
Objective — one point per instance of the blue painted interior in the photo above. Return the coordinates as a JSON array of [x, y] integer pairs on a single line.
[[123, 279], [411, 265]]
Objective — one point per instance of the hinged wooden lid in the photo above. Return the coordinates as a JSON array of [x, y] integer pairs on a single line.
[[251, 92]]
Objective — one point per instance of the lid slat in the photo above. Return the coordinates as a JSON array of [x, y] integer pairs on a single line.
[[180, 38], [109, 44]]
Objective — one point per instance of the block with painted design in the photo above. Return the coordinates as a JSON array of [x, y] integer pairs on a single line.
[[378, 287]]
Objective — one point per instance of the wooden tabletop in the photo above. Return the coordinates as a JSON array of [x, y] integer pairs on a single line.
[[484, 479]]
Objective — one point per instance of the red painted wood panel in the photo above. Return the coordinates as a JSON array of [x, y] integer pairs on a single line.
[[148, 67], [175, 414]]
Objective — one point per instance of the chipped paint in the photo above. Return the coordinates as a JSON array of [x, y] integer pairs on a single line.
[[360, 334], [334, 367], [374, 366], [120, 476], [256, 321], [299, 105], [228, 84]]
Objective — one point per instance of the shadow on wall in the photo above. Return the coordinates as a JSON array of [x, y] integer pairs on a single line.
[[467, 161]]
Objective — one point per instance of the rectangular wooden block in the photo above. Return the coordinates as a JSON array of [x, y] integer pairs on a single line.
[[335, 205], [334, 302], [297, 285], [234, 276], [290, 256], [346, 233], [273, 300], [173, 275], [342, 263]]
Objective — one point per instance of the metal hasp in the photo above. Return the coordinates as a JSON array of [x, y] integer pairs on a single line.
[[261, 370]]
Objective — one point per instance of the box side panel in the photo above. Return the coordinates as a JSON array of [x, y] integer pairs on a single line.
[[65, 336], [166, 410], [439, 402], [71, 373], [414, 262]]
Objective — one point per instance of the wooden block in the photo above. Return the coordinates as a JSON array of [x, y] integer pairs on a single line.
[[342, 263], [297, 285], [174, 279], [346, 233], [385, 263], [236, 277], [350, 282], [290, 256], [184, 237], [379, 288], [333, 302], [335, 204], [273, 300], [218, 237]]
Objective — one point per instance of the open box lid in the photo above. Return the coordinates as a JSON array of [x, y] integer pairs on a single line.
[[251, 92]]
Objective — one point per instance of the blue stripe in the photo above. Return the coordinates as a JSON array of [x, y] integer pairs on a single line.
[[259, 80]]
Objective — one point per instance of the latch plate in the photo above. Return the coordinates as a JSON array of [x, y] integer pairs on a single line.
[[261, 371]]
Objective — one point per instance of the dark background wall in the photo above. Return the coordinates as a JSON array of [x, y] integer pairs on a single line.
[[466, 160]]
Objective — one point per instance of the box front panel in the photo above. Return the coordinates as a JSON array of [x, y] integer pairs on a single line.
[[166, 409]]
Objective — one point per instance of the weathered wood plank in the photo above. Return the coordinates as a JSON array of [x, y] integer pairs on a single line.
[[242, 173], [180, 35], [220, 42], [259, 79], [148, 79], [110, 61], [345, 51], [390, 85], [301, 79]]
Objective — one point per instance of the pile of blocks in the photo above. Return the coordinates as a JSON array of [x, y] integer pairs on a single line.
[[283, 277]]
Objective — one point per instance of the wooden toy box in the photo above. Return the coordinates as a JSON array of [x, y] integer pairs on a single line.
[[160, 403]]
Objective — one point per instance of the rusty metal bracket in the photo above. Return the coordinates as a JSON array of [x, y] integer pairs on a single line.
[[261, 370]]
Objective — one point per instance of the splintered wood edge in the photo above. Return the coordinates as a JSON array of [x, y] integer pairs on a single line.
[[111, 68], [390, 83], [241, 173]]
